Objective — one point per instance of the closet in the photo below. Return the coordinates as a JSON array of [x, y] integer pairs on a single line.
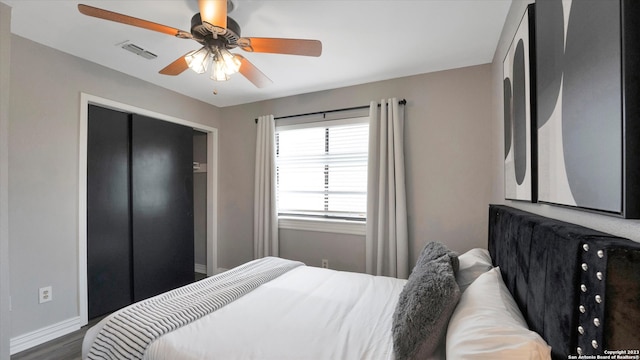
[[140, 223]]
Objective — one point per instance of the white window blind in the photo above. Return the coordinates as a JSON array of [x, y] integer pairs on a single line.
[[322, 169]]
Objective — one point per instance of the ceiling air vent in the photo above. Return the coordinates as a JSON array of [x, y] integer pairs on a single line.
[[138, 50]]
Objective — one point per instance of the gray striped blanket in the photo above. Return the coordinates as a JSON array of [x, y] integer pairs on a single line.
[[129, 332]]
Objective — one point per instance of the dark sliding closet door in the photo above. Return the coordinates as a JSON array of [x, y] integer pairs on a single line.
[[108, 212], [162, 205], [139, 208]]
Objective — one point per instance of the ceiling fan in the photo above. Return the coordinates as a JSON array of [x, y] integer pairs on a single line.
[[217, 33]]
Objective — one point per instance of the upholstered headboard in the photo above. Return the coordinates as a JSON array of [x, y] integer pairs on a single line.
[[577, 287]]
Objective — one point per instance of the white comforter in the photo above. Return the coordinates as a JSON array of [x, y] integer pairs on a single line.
[[306, 313]]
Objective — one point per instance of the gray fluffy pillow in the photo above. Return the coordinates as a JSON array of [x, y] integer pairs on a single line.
[[435, 250], [426, 303]]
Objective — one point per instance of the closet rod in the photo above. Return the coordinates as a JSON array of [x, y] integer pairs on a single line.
[[401, 102]]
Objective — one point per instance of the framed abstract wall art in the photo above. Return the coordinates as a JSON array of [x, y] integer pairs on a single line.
[[520, 164], [588, 102]]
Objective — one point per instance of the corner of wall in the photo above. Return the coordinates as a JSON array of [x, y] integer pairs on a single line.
[[5, 300]]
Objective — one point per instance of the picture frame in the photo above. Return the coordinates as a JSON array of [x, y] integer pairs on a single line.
[[519, 88], [587, 107]]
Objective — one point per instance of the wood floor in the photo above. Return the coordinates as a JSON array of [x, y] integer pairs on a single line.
[[68, 347]]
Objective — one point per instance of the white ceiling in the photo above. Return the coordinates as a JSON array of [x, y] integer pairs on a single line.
[[363, 40]]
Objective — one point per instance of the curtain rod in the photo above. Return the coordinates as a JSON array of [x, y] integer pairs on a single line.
[[401, 102]]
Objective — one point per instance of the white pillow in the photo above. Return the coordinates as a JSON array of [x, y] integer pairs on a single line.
[[473, 263], [487, 324]]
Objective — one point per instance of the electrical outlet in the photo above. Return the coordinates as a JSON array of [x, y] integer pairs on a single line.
[[45, 294], [325, 263]]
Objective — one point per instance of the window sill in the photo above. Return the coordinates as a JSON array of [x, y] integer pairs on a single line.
[[323, 225]]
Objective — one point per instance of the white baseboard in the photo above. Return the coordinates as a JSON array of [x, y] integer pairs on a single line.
[[202, 269], [40, 336]]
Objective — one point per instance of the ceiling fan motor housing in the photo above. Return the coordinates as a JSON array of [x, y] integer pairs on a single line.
[[204, 36]]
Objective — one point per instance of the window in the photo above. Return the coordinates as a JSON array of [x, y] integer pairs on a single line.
[[321, 169]]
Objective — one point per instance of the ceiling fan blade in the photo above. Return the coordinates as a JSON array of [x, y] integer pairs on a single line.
[[214, 12], [129, 20], [252, 73], [281, 46], [176, 67]]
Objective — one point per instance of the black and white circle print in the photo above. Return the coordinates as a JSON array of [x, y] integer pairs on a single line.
[[520, 109], [508, 95], [549, 55], [517, 116], [579, 84]]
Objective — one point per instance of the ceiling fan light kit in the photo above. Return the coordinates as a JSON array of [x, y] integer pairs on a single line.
[[221, 61], [217, 33], [198, 60]]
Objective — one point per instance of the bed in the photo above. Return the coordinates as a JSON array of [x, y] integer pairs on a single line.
[[521, 298]]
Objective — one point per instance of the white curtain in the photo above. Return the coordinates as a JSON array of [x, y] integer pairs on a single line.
[[387, 247], [265, 216]]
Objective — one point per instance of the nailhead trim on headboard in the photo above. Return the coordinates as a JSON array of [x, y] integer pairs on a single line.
[[592, 296], [577, 287]]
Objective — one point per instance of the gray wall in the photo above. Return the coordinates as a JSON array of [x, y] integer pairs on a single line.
[[345, 252], [5, 57], [609, 224], [448, 161], [43, 169]]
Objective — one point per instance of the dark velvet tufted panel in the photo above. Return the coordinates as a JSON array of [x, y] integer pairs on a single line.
[[577, 287]]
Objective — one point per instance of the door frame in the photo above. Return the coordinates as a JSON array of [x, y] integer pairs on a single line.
[[212, 188]]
